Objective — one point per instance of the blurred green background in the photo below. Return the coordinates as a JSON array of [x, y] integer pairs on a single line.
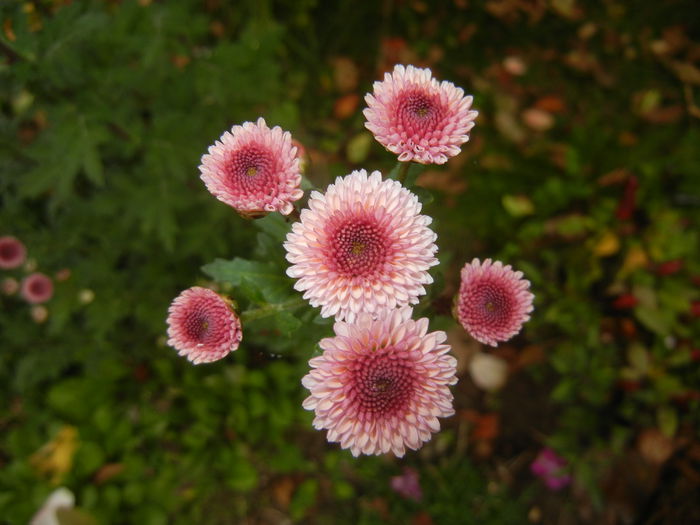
[[583, 171]]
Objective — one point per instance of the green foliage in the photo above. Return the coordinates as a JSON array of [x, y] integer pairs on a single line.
[[105, 111]]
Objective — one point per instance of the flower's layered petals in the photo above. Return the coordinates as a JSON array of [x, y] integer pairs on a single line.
[[12, 252], [361, 247], [254, 169], [37, 288], [202, 325], [494, 301], [381, 383], [420, 119]]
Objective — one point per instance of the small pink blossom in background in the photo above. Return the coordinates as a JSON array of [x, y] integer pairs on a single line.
[[381, 384], [10, 286], [418, 118], [202, 326], [551, 468], [361, 247], [39, 313], [12, 252], [63, 274], [254, 169], [407, 484], [493, 302], [37, 288]]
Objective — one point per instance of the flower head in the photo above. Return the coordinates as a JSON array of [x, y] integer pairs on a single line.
[[254, 169], [408, 484], [37, 288], [417, 117], [202, 325], [551, 468], [361, 246], [12, 252], [493, 302], [381, 384]]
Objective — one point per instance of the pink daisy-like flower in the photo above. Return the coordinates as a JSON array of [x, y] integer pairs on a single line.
[[37, 288], [254, 169], [381, 384], [494, 301], [551, 468], [417, 117], [361, 246], [202, 325], [12, 252]]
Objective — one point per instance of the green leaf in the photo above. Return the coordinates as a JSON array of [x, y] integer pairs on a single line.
[[652, 319], [304, 498], [667, 419], [518, 205], [274, 225], [358, 147], [261, 282]]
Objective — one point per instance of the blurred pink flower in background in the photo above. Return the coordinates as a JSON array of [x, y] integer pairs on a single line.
[[12, 252], [37, 288], [493, 301], [202, 326], [361, 247], [254, 169], [10, 286], [420, 119], [381, 384], [407, 484], [551, 469]]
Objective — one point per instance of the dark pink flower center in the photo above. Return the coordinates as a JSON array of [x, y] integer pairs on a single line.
[[490, 303], [250, 169], [358, 247], [38, 287], [382, 382], [419, 112], [197, 327], [9, 251]]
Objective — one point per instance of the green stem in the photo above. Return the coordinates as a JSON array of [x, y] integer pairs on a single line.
[[294, 215], [271, 309], [403, 171]]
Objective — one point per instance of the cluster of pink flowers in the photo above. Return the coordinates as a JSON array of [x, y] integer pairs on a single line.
[[35, 288], [361, 252]]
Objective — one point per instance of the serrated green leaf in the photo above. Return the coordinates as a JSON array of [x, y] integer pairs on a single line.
[[260, 281]]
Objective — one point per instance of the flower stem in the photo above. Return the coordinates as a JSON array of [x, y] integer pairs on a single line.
[[293, 216], [403, 171], [271, 309]]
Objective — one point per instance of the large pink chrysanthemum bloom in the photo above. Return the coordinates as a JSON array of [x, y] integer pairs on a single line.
[[254, 169], [381, 384], [361, 247], [494, 301], [37, 288], [12, 252], [202, 325], [417, 117]]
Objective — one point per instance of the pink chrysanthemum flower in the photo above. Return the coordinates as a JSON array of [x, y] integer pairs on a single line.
[[202, 325], [361, 246], [381, 384], [37, 288], [417, 117], [494, 301], [254, 169], [12, 252]]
